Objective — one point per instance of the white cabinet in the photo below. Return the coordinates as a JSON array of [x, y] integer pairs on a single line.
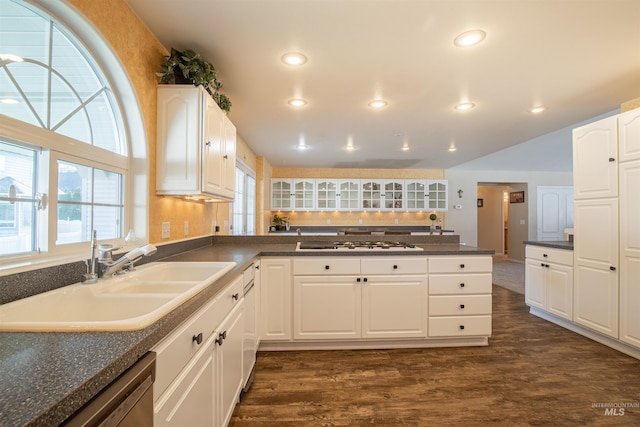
[[416, 195], [192, 375], [437, 195], [393, 195], [595, 167], [460, 296], [229, 363], [195, 145], [350, 298], [349, 195], [629, 135], [275, 299], [630, 252], [549, 280], [372, 195], [292, 194], [327, 194]]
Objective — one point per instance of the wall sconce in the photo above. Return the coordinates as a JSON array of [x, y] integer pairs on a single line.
[[460, 194]]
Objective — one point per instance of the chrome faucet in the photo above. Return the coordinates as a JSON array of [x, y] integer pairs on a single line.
[[109, 267], [91, 276]]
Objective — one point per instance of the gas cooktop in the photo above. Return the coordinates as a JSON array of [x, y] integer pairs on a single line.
[[356, 246]]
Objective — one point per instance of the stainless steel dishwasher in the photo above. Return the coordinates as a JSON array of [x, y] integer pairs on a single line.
[[126, 402]]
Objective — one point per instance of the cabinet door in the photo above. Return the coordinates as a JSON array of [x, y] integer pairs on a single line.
[[228, 160], [326, 195], [629, 135], [281, 194], [559, 290], [229, 363], [393, 195], [596, 299], [630, 253], [275, 299], [596, 227], [349, 195], [213, 149], [372, 195], [326, 307], [190, 399], [303, 194], [535, 288], [416, 195], [437, 195], [629, 297], [394, 306], [595, 168], [178, 163]]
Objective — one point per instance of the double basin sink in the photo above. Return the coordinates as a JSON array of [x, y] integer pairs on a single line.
[[126, 302]]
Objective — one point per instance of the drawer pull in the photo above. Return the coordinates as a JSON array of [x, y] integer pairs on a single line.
[[358, 280], [462, 285], [545, 255], [197, 338], [395, 267], [235, 296], [542, 264], [221, 338], [612, 268], [461, 265], [461, 306], [365, 279], [612, 159], [326, 267], [461, 327]]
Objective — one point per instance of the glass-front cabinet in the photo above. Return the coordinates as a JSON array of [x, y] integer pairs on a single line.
[[437, 195], [303, 194], [327, 195], [281, 194], [372, 195], [416, 195], [394, 195], [349, 195]]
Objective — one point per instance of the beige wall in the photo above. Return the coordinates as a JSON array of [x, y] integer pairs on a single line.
[[353, 218], [141, 55]]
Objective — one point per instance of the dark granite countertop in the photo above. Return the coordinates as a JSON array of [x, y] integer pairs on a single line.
[[560, 244], [46, 377]]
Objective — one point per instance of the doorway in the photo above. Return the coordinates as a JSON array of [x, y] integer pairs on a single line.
[[503, 218]]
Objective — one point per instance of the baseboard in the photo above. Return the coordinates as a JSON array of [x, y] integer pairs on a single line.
[[372, 345]]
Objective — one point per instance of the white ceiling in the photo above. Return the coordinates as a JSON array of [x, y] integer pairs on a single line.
[[579, 58]]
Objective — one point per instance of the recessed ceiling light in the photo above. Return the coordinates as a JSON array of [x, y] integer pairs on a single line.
[[405, 147], [464, 106], [297, 102], [452, 149], [377, 103], [538, 109], [294, 58], [469, 38]]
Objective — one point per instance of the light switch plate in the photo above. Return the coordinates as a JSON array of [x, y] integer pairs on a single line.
[[166, 230]]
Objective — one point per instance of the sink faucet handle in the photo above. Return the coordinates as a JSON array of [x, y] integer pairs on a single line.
[[105, 251]]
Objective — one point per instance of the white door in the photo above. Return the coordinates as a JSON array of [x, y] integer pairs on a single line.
[[559, 292], [555, 212]]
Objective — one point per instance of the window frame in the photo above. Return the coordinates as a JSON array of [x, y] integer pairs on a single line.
[[247, 172]]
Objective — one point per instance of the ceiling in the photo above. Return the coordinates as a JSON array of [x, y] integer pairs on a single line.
[[578, 58]]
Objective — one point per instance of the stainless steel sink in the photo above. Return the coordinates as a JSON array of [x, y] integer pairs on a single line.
[[127, 302]]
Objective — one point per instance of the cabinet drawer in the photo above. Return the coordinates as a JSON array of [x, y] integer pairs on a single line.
[[175, 350], [459, 305], [459, 284], [460, 264], [456, 326], [328, 265], [558, 256], [394, 265]]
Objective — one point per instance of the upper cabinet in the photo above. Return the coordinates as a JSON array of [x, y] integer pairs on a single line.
[[289, 194], [196, 147]]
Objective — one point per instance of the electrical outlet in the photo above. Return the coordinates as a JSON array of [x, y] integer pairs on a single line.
[[186, 228], [226, 225], [360, 221], [328, 221], [395, 221], [166, 230]]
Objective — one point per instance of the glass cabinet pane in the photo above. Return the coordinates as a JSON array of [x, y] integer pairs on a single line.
[[326, 195]]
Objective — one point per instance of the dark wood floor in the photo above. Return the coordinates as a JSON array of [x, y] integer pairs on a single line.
[[533, 373]]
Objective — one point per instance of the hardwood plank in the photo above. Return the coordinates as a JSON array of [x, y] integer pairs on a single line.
[[533, 373]]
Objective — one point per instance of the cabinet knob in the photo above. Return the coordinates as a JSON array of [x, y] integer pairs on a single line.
[[461, 306], [395, 267], [542, 264], [545, 255], [365, 279], [358, 280], [461, 265], [197, 338], [462, 285], [326, 267], [612, 159], [208, 143], [225, 157], [612, 268], [235, 296], [461, 327]]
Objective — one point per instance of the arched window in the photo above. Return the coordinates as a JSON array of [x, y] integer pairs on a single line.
[[64, 157]]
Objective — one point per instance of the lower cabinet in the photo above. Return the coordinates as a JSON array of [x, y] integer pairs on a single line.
[[549, 280], [348, 298], [460, 296], [199, 365], [275, 299]]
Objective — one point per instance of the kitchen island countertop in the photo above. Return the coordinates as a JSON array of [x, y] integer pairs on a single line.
[[46, 376]]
